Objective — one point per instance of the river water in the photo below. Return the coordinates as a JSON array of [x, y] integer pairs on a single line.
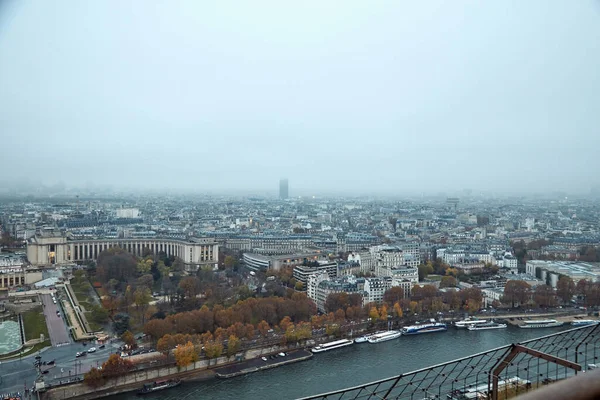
[[350, 366]]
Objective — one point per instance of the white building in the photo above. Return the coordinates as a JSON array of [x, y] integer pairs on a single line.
[[312, 283], [128, 213], [375, 288]]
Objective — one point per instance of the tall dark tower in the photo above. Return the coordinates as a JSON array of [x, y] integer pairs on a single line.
[[283, 189]]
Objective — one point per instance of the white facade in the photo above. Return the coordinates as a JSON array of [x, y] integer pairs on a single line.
[[312, 283], [50, 250], [128, 213], [375, 288]]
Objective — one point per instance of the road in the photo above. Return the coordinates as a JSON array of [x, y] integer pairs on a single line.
[[17, 374], [56, 325]]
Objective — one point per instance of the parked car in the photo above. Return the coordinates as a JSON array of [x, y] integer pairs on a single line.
[[264, 358], [91, 350]]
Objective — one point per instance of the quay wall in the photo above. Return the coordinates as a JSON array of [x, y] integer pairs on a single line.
[[201, 369]]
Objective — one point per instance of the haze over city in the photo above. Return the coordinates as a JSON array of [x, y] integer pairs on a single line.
[[343, 97]]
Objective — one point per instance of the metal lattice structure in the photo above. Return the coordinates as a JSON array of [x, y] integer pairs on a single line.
[[500, 373]]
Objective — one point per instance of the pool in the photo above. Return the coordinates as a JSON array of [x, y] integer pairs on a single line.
[[10, 336]]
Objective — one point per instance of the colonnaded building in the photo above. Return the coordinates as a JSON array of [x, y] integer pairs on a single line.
[[52, 248]]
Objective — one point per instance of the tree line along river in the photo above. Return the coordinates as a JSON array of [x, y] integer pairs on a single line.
[[351, 365]]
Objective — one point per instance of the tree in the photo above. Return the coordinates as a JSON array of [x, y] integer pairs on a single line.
[[263, 327], [565, 289], [213, 349], [185, 354], [425, 270], [93, 378], [144, 266], [121, 323], [116, 366], [115, 263], [299, 286], [448, 281], [398, 310], [233, 345], [393, 295], [99, 315], [516, 292], [145, 281], [157, 328], [544, 296], [383, 313], [190, 286], [373, 314], [128, 338]]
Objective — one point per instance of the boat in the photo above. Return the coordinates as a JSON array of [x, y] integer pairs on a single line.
[[159, 385], [365, 338], [487, 325], [582, 322], [428, 327], [541, 323], [383, 336], [331, 345], [465, 323]]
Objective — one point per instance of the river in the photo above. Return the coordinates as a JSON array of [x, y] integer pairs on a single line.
[[350, 366]]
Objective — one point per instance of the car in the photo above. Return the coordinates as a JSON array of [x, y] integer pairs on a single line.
[[281, 354], [51, 362], [45, 371], [79, 354], [264, 358], [91, 350], [102, 346]]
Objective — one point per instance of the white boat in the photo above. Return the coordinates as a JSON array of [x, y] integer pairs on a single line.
[[541, 323], [582, 322], [465, 323], [487, 325], [331, 345], [383, 336], [365, 338], [429, 327]]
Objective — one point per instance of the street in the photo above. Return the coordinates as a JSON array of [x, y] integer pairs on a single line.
[[57, 328], [17, 374]]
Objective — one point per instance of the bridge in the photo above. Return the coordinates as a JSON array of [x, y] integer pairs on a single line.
[[497, 374]]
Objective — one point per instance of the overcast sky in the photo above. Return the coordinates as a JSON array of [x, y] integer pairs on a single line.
[[337, 96]]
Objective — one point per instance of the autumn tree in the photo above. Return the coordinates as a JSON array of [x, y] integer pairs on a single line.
[[94, 378], [116, 366], [128, 338], [190, 286], [393, 295], [185, 354], [263, 327], [157, 328], [565, 289], [373, 314], [213, 349], [516, 292], [543, 296], [115, 263], [398, 310], [383, 312], [233, 345]]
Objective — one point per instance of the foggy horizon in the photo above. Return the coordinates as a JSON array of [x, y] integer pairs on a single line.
[[388, 99]]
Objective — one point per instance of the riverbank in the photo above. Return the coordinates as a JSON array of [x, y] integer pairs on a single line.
[[258, 364]]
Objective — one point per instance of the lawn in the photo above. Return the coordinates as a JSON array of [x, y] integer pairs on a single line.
[[34, 324]]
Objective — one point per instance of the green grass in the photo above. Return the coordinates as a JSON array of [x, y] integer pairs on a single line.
[[434, 277], [34, 324], [93, 326]]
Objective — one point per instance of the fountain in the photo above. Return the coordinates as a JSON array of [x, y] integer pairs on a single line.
[[10, 336]]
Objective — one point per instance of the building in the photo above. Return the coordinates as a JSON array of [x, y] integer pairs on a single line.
[[283, 189], [550, 271], [18, 276], [313, 281], [347, 284], [49, 248], [128, 213], [375, 288], [261, 262], [302, 272]]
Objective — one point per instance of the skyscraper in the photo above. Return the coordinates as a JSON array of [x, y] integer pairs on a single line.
[[283, 189]]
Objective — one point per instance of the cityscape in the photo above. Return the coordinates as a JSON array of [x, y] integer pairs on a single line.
[[313, 201]]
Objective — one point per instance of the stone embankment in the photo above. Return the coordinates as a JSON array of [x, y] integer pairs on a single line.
[[203, 369]]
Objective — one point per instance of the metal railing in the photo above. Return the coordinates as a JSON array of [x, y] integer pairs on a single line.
[[500, 373]]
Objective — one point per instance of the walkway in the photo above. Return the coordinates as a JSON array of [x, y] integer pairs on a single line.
[[56, 326]]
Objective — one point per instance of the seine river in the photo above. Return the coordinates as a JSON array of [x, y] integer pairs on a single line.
[[350, 366]]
